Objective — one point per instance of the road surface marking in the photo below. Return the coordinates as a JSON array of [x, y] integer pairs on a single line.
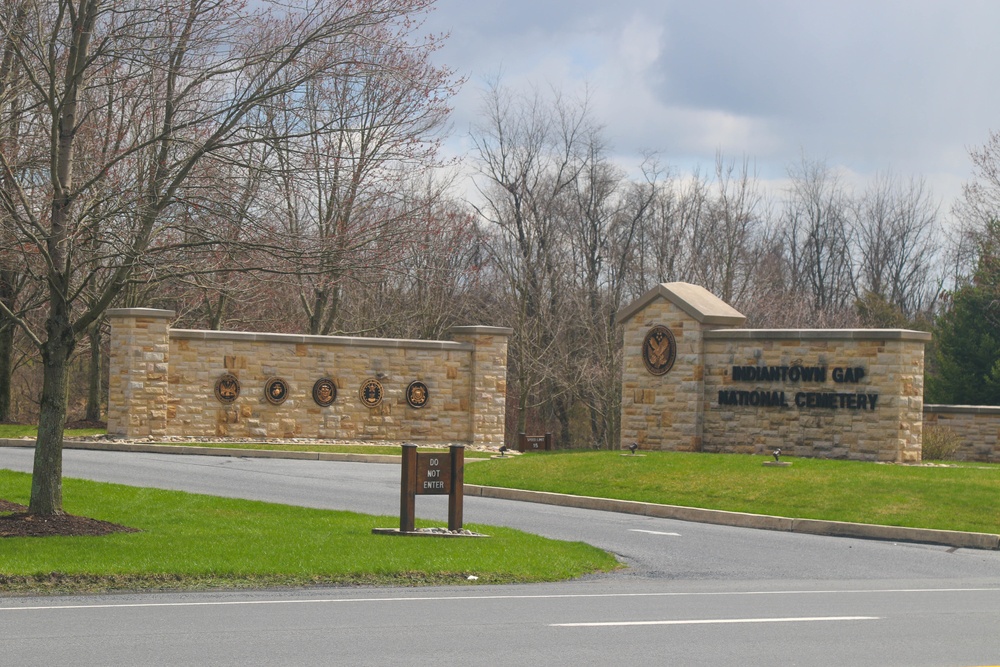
[[441, 598], [652, 532], [715, 621]]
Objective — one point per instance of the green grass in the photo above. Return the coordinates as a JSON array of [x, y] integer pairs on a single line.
[[22, 431], [949, 498], [26, 431], [392, 450], [191, 541]]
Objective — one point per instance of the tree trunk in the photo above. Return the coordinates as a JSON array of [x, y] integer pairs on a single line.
[[522, 406], [6, 344], [596, 432], [94, 374], [561, 410], [46, 479], [6, 369]]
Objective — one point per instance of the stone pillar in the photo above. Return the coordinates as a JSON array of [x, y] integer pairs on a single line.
[[910, 419], [139, 360], [666, 411], [488, 404]]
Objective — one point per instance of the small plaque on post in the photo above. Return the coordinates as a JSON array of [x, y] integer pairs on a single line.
[[534, 443]]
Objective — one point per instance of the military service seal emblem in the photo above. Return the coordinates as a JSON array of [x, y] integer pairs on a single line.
[[417, 394], [227, 388], [659, 350], [371, 392], [276, 391], [324, 392]]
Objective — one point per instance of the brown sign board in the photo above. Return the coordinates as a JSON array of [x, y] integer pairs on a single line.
[[534, 443], [433, 474], [423, 474]]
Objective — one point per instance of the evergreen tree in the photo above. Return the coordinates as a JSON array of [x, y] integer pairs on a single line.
[[968, 334]]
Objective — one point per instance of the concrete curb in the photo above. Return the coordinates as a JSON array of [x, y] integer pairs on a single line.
[[950, 538], [212, 451]]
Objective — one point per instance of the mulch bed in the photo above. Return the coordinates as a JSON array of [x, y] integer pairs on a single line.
[[83, 423], [16, 522]]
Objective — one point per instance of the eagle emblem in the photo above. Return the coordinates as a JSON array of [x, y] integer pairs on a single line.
[[371, 393], [417, 394], [659, 350], [227, 388], [275, 391]]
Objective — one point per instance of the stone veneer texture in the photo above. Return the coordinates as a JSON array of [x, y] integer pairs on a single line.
[[663, 412], [173, 394], [977, 428], [893, 370], [680, 410]]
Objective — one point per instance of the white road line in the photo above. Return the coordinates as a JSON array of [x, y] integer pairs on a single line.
[[441, 598], [714, 621], [652, 532]]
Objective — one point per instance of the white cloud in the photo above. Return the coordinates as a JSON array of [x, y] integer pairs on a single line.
[[903, 84]]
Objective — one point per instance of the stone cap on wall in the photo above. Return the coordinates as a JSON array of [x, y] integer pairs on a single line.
[[694, 300], [479, 330], [141, 312], [818, 334], [350, 341], [963, 409]]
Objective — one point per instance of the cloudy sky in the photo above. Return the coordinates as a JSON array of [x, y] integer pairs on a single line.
[[866, 85]]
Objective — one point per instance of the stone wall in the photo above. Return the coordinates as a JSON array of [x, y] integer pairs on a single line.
[[665, 411], [977, 428], [163, 383], [858, 395], [137, 385], [855, 394]]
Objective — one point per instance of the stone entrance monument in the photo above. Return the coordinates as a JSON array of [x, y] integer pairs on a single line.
[[694, 380]]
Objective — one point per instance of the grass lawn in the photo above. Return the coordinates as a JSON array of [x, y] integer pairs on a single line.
[[196, 541], [24, 431], [21, 431], [965, 498], [392, 450]]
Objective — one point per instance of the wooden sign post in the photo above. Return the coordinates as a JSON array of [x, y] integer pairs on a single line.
[[431, 474]]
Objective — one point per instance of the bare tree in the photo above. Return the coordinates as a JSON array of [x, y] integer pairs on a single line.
[[896, 244], [733, 231], [11, 277], [529, 153], [977, 212], [816, 236], [436, 281], [603, 216], [182, 80], [358, 139], [672, 241]]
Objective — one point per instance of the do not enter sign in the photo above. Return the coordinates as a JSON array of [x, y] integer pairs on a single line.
[[433, 474], [429, 474]]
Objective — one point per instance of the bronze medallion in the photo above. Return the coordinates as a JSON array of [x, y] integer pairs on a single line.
[[371, 392], [276, 391], [659, 350], [227, 388], [324, 392], [417, 394]]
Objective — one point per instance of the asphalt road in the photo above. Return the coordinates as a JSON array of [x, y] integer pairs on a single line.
[[694, 594]]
